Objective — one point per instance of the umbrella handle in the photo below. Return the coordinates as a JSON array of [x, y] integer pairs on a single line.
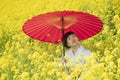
[[63, 44], [62, 19]]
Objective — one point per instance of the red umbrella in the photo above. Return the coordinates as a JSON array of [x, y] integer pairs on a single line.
[[47, 27]]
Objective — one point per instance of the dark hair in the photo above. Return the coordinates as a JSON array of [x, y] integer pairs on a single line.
[[65, 39]]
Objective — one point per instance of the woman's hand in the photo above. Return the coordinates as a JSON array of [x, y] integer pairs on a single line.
[[63, 59]]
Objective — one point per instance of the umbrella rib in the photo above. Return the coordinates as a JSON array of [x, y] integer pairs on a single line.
[[74, 28], [97, 26], [84, 28], [32, 30], [31, 22], [92, 27], [91, 22], [46, 33], [31, 26], [87, 17], [53, 37], [37, 34], [41, 30], [82, 31]]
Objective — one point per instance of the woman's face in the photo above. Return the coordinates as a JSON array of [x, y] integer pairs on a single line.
[[72, 40]]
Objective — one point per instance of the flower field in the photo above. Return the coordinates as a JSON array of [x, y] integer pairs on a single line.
[[22, 58]]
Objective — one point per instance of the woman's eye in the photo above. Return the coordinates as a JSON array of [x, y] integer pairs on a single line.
[[69, 38], [74, 36]]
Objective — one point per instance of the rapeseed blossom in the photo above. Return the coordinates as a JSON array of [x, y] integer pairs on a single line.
[[22, 58]]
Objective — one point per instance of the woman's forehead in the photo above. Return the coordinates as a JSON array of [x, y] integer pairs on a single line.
[[71, 35]]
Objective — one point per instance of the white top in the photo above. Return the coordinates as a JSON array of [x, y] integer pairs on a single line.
[[80, 53]]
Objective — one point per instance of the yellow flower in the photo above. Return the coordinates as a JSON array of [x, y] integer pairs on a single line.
[[68, 77], [13, 68], [43, 62], [5, 65], [59, 74], [70, 63], [21, 51], [64, 74], [118, 31], [66, 56], [118, 62], [43, 74], [48, 79], [79, 58], [118, 72], [51, 72], [1, 34], [16, 71], [25, 76], [4, 76], [44, 69], [107, 52], [58, 51], [109, 58], [45, 55], [36, 76], [35, 55]]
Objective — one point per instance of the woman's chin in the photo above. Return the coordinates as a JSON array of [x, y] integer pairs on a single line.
[[74, 45]]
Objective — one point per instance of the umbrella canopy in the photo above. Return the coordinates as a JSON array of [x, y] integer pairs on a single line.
[[51, 27]]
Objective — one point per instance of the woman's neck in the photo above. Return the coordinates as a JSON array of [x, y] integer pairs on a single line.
[[74, 49]]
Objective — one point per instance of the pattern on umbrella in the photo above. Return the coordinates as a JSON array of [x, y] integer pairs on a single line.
[[48, 27]]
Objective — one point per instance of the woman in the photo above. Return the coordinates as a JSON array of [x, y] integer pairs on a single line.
[[71, 41]]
